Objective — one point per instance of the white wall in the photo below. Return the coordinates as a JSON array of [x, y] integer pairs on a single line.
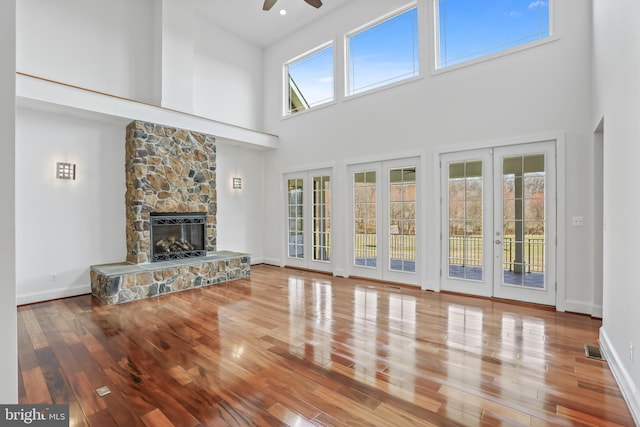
[[8, 315], [617, 99], [206, 70], [240, 212], [539, 90], [228, 77], [138, 49], [63, 227], [104, 46], [177, 54]]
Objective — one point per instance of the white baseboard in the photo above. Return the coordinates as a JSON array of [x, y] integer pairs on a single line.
[[52, 294], [340, 272], [596, 311], [272, 261], [622, 376], [255, 261], [581, 307]]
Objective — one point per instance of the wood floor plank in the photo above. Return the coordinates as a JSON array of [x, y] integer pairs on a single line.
[[26, 352], [291, 347], [289, 417], [54, 376], [35, 385], [85, 394], [38, 340], [486, 404], [156, 418]]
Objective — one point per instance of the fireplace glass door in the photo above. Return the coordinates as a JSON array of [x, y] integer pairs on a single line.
[[177, 236]]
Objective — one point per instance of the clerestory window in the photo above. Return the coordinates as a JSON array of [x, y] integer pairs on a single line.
[[384, 52], [468, 30], [309, 80]]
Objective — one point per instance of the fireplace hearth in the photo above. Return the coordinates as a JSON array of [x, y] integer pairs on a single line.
[[177, 236]]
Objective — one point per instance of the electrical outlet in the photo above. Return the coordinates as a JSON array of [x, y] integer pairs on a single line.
[[54, 277], [577, 221], [631, 351]]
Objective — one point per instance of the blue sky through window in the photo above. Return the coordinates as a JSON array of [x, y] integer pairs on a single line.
[[384, 53], [313, 75], [472, 29], [387, 52]]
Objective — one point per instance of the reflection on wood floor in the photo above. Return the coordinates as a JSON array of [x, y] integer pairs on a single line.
[[287, 347]]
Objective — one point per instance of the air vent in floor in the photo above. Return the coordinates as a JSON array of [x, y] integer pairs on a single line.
[[593, 352]]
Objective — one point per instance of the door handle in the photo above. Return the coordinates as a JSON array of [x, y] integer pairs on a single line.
[[498, 242]]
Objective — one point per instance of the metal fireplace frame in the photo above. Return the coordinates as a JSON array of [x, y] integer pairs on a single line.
[[177, 219]]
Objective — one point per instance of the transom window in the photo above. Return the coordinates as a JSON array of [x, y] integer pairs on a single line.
[[469, 30], [383, 53], [309, 80]]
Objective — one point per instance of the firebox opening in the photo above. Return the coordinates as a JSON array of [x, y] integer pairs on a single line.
[[177, 236]]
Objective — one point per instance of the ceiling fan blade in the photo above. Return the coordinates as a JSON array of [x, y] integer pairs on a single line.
[[268, 4], [314, 3]]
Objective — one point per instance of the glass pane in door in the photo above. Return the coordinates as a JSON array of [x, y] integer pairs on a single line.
[[523, 188], [321, 218], [465, 191], [295, 218], [365, 248], [402, 219]]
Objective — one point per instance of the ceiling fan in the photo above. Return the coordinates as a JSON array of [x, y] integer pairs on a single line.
[[268, 4]]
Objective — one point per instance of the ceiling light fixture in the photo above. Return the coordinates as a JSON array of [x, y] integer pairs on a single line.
[[268, 4], [283, 12]]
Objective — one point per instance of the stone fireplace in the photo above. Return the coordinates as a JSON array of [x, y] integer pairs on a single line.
[[170, 210], [168, 171]]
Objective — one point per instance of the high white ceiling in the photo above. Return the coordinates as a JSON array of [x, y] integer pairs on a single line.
[[247, 19]]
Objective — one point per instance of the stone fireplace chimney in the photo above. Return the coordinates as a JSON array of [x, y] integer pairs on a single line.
[[168, 170]]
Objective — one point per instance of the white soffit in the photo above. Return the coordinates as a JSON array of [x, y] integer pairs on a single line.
[[32, 90]]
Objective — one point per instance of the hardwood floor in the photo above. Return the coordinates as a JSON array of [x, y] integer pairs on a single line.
[[289, 347]]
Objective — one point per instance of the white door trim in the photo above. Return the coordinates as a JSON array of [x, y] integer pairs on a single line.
[[560, 139], [381, 270], [307, 262]]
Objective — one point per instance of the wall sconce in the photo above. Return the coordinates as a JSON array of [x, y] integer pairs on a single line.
[[65, 170], [237, 183]]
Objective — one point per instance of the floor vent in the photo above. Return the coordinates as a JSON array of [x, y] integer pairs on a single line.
[[103, 391], [593, 352]]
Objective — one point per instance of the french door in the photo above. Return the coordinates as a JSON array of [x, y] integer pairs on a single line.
[[384, 206], [499, 222], [308, 227]]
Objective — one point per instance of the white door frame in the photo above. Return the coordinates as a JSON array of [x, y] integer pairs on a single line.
[[561, 226], [307, 261], [380, 271]]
